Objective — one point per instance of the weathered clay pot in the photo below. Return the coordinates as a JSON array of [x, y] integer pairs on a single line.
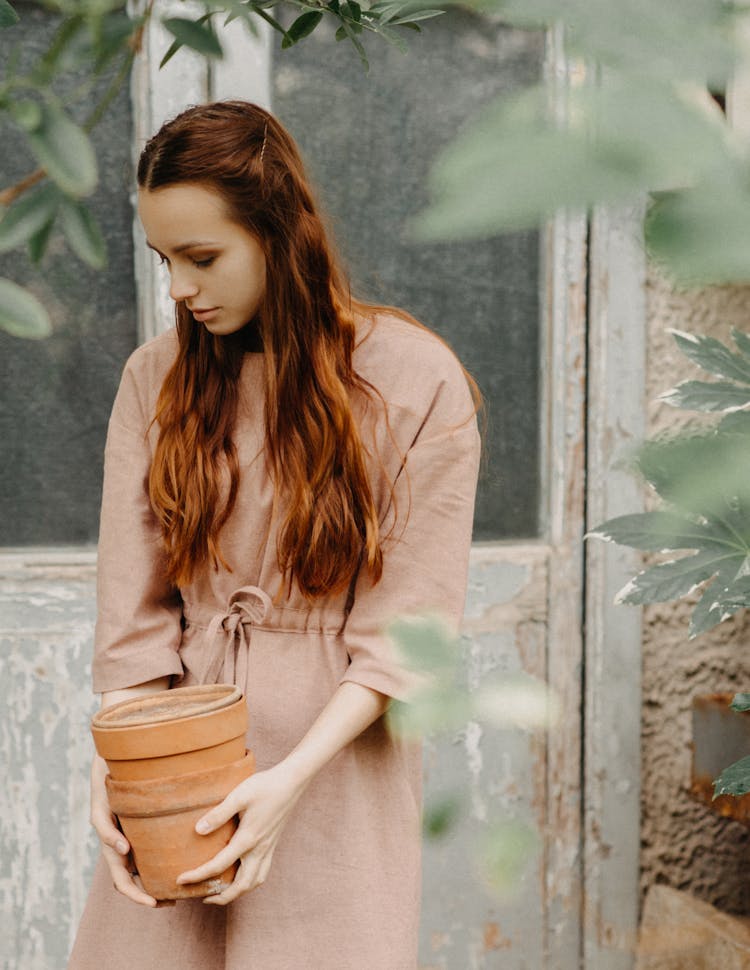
[[158, 817], [173, 732], [172, 756]]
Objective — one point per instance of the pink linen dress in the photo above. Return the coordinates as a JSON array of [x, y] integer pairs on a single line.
[[343, 891]]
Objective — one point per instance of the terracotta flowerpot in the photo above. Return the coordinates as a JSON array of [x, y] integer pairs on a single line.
[[172, 756], [158, 817], [173, 732]]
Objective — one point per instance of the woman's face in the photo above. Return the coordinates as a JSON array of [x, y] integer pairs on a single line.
[[217, 268]]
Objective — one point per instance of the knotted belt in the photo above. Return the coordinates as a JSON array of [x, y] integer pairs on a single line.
[[227, 642]]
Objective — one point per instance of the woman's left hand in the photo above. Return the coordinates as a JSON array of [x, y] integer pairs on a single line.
[[263, 801]]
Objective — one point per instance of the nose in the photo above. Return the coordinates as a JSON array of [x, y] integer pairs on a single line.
[[181, 285]]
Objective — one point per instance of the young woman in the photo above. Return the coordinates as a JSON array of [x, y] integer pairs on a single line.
[[285, 471]]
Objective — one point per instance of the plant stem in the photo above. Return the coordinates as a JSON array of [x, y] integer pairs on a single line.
[[13, 191], [135, 44]]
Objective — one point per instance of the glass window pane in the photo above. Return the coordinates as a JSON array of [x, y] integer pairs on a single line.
[[56, 394], [368, 140]]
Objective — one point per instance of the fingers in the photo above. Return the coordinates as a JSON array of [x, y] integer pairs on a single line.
[[221, 813], [104, 824], [123, 880], [252, 874], [214, 867], [115, 847]]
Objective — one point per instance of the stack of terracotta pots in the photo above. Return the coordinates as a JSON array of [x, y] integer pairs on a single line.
[[171, 757]]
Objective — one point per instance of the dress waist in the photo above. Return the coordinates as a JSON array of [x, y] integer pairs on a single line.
[[227, 639]]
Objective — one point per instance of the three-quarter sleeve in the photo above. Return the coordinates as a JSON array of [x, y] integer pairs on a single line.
[[138, 625], [425, 563]]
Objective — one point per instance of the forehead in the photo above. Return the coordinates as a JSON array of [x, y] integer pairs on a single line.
[[174, 213]]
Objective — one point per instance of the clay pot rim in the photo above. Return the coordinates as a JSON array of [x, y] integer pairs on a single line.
[[178, 793], [228, 694]]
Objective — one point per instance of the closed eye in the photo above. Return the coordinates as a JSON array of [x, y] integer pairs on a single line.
[[204, 263]]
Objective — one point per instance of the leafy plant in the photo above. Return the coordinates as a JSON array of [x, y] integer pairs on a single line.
[[96, 38], [703, 480], [637, 118]]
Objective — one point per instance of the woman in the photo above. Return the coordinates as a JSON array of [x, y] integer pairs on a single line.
[[284, 472]]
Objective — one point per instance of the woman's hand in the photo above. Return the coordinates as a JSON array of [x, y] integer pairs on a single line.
[[115, 848], [263, 801]]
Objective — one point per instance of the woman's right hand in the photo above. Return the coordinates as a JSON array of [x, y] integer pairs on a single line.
[[115, 848]]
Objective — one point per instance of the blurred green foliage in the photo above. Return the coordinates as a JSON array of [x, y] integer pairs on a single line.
[[635, 117], [95, 38]]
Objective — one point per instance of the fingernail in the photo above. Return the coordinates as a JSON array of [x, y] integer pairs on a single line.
[[202, 827], [121, 846]]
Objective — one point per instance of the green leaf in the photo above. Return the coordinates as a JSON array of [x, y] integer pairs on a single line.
[[194, 34], [351, 10], [302, 26], [21, 314], [425, 644], [707, 396], [411, 18], [38, 242], [392, 36], [687, 40], [432, 710], [713, 356], [683, 470], [515, 165], [733, 597], [8, 15], [700, 233], [357, 44], [26, 113], [171, 51], [505, 852], [735, 423], [742, 342], [741, 702], [28, 214], [112, 37], [734, 780], [440, 817], [83, 234], [659, 531], [673, 580], [724, 597], [65, 151]]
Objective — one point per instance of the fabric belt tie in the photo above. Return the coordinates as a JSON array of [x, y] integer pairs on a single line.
[[228, 639]]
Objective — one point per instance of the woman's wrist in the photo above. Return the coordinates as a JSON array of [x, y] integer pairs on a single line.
[[110, 697], [351, 710]]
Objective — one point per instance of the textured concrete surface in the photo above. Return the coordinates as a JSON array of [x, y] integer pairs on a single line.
[[683, 843], [681, 933]]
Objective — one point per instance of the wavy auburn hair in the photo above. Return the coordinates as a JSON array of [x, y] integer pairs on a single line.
[[306, 322]]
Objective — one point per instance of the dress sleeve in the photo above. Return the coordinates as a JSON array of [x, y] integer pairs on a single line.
[[138, 626], [425, 564]]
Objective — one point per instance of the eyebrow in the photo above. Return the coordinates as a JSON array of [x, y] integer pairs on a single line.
[[193, 244]]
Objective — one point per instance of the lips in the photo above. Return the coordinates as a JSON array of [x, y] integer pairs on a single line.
[[202, 314]]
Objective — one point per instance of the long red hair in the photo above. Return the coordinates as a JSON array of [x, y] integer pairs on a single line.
[[306, 323]]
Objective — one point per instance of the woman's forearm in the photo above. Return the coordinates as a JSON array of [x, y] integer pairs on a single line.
[[111, 697], [351, 710]]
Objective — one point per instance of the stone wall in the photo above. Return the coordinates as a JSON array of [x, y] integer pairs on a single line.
[[683, 844]]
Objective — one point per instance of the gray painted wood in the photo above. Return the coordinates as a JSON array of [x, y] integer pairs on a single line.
[[46, 846], [616, 422]]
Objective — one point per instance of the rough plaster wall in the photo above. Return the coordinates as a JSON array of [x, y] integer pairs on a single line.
[[683, 843]]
